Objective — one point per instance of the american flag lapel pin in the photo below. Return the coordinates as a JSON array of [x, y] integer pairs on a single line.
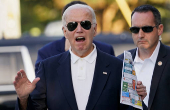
[[105, 73]]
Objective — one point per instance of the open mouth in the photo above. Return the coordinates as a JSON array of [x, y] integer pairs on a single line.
[[80, 39]]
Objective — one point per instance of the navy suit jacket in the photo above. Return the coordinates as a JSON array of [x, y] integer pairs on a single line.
[[55, 89], [58, 47], [159, 96]]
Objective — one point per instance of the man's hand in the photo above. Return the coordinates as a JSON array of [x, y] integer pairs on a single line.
[[24, 87], [141, 89]]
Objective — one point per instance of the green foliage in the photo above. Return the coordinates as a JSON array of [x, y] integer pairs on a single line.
[[37, 13]]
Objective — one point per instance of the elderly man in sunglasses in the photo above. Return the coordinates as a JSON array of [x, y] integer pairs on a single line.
[[62, 45], [83, 78], [151, 57]]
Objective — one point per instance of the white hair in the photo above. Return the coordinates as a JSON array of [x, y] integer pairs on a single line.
[[79, 6]]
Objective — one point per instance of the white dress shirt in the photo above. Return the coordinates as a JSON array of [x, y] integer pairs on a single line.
[[82, 70], [144, 70]]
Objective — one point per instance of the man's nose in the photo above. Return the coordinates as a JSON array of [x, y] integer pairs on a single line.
[[141, 33], [79, 28]]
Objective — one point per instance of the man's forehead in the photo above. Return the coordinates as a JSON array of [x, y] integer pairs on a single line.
[[147, 16], [77, 7], [77, 10], [78, 14], [145, 13]]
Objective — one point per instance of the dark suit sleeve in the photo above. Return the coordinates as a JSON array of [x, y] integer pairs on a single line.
[[41, 56], [30, 105], [38, 96]]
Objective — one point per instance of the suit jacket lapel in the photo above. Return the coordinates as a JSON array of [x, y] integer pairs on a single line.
[[64, 74], [99, 81], [158, 70], [133, 52]]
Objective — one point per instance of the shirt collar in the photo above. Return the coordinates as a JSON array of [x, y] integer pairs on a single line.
[[155, 53], [137, 59], [89, 58], [153, 57]]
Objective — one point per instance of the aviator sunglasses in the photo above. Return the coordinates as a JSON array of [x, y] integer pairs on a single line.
[[71, 26], [145, 29]]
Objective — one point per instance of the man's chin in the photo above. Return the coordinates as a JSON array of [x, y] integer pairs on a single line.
[[143, 47]]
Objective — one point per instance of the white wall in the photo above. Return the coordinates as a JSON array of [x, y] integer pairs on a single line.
[[10, 26]]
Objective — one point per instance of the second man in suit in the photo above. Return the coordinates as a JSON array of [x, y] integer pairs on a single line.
[[151, 57]]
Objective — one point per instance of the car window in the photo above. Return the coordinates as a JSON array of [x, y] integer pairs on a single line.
[[10, 63]]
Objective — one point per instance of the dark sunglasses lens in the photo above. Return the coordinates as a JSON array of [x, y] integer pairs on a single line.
[[134, 30], [86, 24], [147, 29], [72, 26]]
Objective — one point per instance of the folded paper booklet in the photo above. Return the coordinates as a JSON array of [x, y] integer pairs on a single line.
[[129, 94]]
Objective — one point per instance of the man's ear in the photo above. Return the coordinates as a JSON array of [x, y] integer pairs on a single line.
[[160, 29], [95, 30], [64, 31]]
